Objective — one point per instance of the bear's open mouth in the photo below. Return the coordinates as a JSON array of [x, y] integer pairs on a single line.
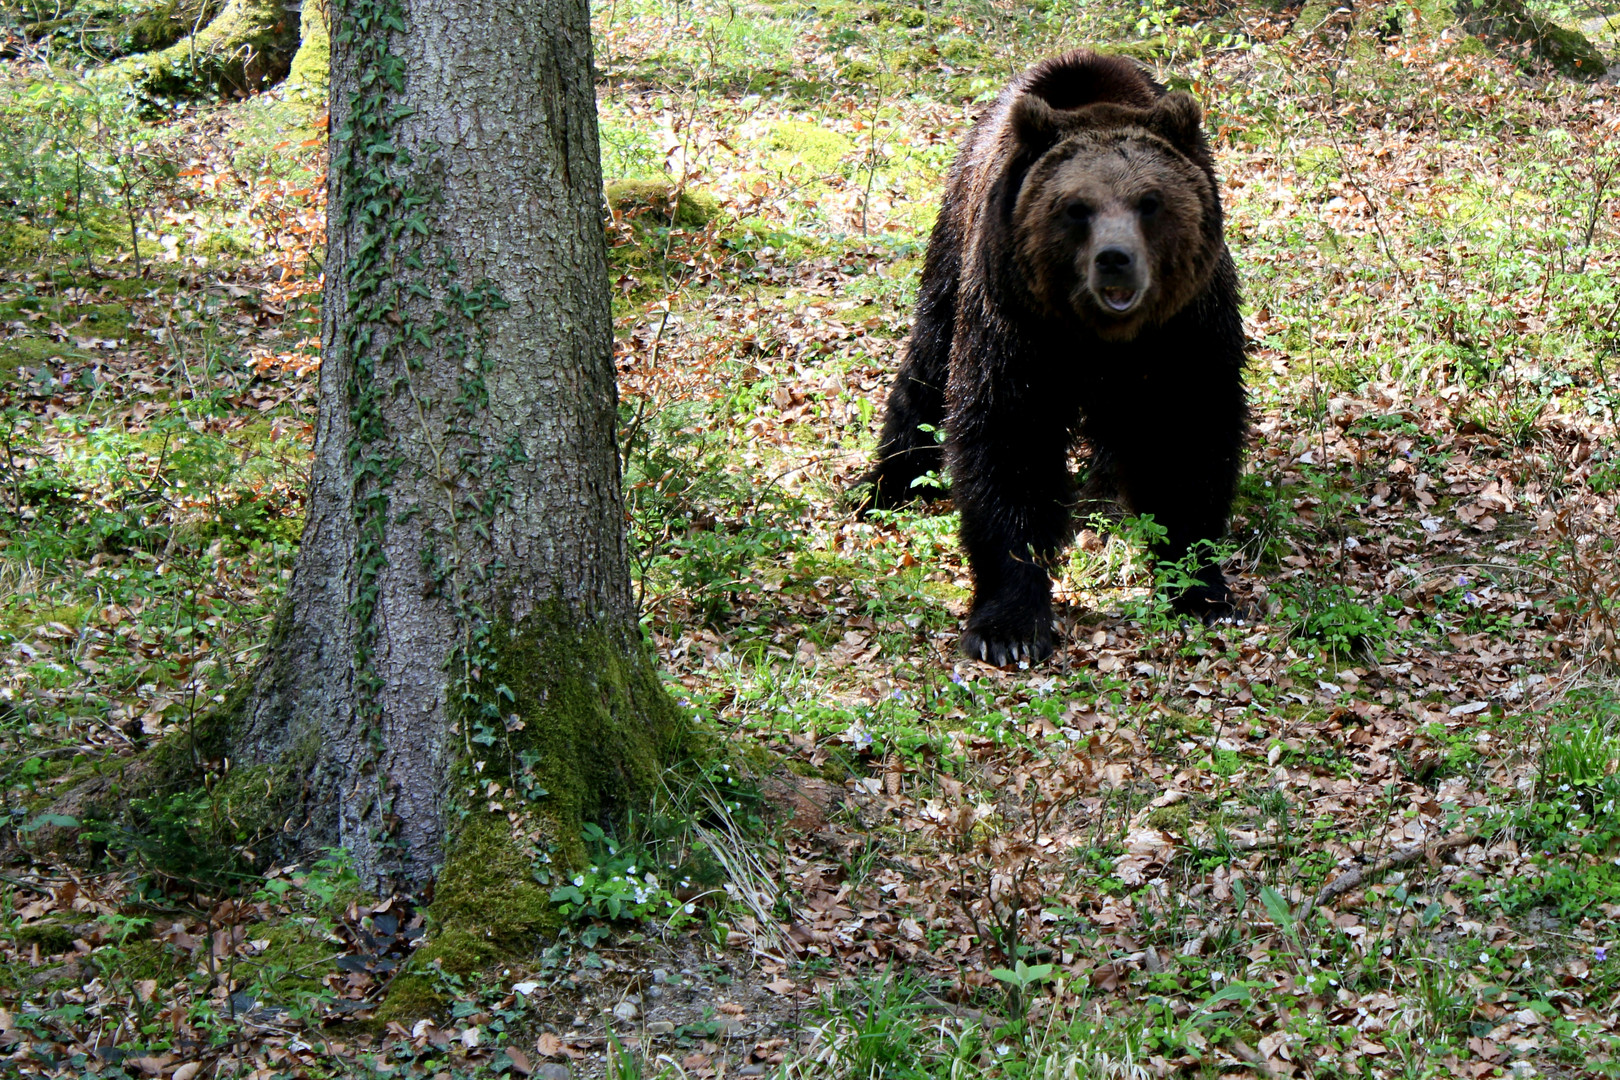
[[1119, 299]]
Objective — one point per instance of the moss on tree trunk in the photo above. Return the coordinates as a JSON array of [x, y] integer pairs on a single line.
[[311, 68], [590, 731], [247, 47]]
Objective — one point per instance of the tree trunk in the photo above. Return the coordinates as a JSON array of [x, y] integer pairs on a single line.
[[458, 675], [246, 47]]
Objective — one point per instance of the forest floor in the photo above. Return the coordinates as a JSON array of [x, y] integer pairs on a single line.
[[1372, 833]]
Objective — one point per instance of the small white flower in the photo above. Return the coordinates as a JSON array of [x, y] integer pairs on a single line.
[[579, 879]]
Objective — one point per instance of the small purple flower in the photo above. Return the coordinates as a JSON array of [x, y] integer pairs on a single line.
[[957, 679], [1470, 598], [1462, 582], [1600, 954]]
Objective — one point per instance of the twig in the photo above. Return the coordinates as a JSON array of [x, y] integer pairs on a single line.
[[1354, 879], [1241, 1049]]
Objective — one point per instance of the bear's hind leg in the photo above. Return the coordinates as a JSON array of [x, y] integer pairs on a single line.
[[1189, 494], [909, 447]]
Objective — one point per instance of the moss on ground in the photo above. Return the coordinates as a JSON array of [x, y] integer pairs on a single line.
[[149, 958], [651, 199], [296, 955], [819, 149], [412, 996]]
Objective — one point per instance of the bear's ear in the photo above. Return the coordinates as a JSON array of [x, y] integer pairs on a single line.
[[1178, 117], [1035, 124]]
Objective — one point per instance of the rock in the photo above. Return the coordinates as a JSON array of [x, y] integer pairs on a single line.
[[660, 976], [553, 1070], [625, 1011], [660, 1027], [1507, 22]]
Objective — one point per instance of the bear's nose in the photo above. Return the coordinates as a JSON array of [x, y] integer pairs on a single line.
[[1113, 260]]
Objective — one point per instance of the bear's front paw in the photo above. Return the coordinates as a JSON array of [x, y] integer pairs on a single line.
[[1002, 642]]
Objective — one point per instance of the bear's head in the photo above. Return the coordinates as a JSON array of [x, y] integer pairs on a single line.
[[1117, 223]]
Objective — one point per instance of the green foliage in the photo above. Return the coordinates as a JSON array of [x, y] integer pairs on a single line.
[[619, 884], [79, 169], [1339, 622], [879, 1030], [1579, 756], [696, 526]]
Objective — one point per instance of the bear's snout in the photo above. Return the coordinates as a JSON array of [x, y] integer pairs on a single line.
[[1117, 276]]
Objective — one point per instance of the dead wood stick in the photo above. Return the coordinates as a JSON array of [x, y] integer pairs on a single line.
[[1241, 1049], [1353, 879]]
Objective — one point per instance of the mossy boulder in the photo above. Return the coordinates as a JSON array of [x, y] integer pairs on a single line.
[[652, 199], [52, 936], [1509, 23]]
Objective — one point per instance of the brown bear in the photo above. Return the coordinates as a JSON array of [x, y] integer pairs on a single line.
[[1077, 288]]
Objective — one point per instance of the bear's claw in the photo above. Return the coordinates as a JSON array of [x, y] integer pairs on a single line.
[[1003, 649]]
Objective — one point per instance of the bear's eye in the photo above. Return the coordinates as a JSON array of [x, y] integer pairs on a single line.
[[1077, 211], [1148, 205]]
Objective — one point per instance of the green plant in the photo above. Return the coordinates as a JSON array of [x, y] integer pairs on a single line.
[[876, 1031], [615, 888], [182, 840], [1578, 756], [1019, 981], [1340, 622]]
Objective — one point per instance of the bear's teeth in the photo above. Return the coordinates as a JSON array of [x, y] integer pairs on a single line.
[[1119, 299]]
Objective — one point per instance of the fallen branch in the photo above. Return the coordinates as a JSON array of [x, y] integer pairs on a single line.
[[1238, 1048], [1354, 879]]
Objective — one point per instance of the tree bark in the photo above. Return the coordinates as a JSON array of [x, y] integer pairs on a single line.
[[460, 615]]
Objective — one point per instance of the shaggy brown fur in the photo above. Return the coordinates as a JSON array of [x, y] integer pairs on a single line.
[[1076, 286]]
